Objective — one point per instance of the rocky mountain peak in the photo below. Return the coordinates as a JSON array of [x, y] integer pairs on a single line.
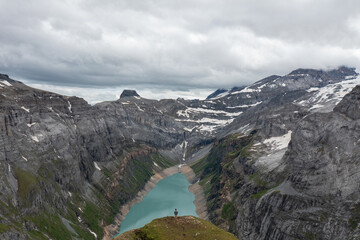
[[4, 76], [340, 72], [129, 93], [349, 105], [216, 93]]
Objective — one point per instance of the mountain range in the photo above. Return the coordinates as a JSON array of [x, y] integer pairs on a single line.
[[276, 160]]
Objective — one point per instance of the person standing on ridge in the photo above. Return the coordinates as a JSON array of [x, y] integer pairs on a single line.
[[176, 213]]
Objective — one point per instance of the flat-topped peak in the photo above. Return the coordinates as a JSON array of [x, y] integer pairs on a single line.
[[129, 93]]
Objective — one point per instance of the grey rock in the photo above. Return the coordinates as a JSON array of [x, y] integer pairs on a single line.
[[129, 93]]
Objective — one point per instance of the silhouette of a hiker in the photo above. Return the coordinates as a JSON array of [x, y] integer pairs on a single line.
[[176, 213]]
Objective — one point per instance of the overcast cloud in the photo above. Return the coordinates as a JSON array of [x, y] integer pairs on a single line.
[[187, 47]]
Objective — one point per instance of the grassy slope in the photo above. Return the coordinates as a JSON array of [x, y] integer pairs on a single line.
[[186, 227]]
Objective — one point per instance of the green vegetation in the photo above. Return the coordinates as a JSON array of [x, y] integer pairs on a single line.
[[51, 225], [3, 228], [37, 235], [256, 178], [184, 228], [82, 233], [92, 216], [229, 213], [26, 182], [311, 236], [259, 194], [199, 166], [162, 161], [355, 216]]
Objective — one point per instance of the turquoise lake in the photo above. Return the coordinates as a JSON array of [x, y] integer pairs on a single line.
[[169, 193]]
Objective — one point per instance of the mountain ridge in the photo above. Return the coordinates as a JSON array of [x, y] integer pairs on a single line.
[[183, 227], [68, 163]]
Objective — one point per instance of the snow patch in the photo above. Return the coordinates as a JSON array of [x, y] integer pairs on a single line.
[[97, 166], [350, 77], [277, 147], [138, 107], [6, 83], [9, 167], [51, 109], [214, 121], [246, 90], [26, 109], [24, 158], [188, 129], [220, 95], [244, 106], [69, 107], [95, 235], [156, 164], [184, 146], [185, 113], [34, 138], [244, 129], [329, 95], [158, 110], [31, 124], [317, 106], [278, 143]]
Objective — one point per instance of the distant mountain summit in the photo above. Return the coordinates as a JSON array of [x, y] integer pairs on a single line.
[[217, 93], [129, 93]]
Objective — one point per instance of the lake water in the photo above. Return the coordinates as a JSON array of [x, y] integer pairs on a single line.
[[169, 193]]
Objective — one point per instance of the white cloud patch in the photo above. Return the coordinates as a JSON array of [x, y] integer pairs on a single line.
[[96, 95]]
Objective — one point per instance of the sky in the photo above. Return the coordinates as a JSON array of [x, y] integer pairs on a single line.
[[167, 49]]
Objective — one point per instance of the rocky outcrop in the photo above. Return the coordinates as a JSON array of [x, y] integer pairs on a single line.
[[129, 93], [349, 106]]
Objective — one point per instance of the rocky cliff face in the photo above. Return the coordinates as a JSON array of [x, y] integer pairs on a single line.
[[70, 165], [293, 178]]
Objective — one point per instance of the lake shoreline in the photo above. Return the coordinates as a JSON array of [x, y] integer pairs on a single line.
[[200, 203], [196, 189]]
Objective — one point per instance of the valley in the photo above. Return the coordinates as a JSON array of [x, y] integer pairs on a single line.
[[274, 160]]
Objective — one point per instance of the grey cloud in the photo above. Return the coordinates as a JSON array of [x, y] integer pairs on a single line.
[[192, 44]]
